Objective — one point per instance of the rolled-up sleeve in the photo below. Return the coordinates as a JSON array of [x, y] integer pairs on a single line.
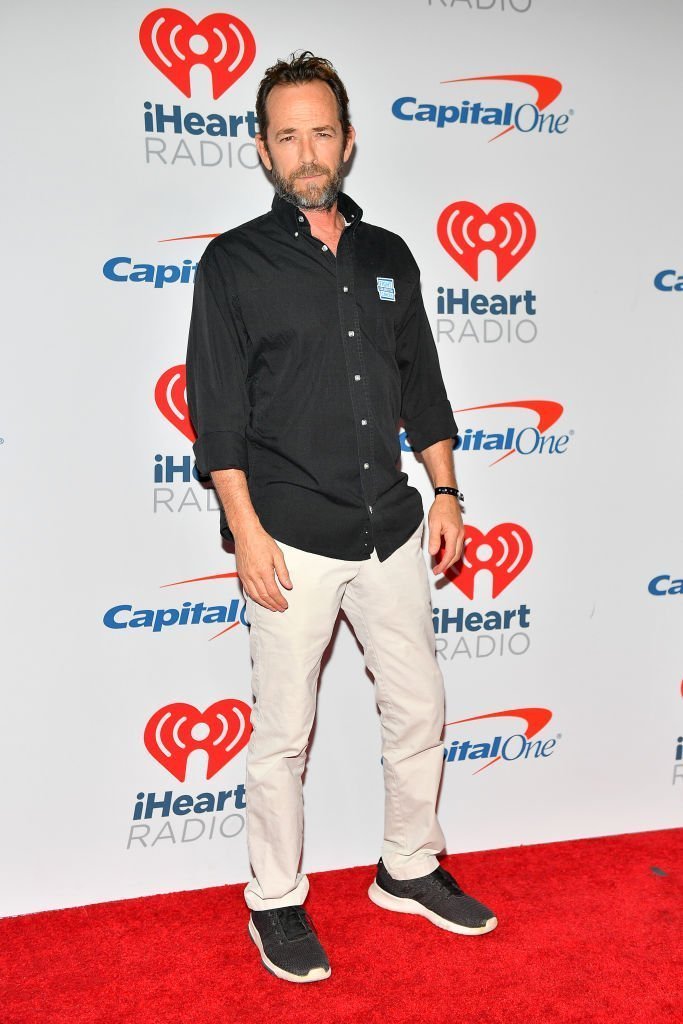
[[425, 408], [216, 369]]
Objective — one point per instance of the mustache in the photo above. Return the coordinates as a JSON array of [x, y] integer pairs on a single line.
[[309, 169]]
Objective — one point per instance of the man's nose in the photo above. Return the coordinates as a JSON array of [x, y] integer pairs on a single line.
[[307, 152]]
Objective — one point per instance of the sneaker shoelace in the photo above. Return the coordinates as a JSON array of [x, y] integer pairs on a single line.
[[443, 880], [293, 921]]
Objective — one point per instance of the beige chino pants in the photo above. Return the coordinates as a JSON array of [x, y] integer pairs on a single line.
[[389, 606]]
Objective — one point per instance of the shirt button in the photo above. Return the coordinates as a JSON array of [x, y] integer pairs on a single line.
[[357, 377], [345, 289], [351, 334], [366, 465], [364, 422], [301, 220], [324, 248], [370, 507], [296, 234]]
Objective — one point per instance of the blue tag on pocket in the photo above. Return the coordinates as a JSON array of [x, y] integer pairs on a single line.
[[385, 287]]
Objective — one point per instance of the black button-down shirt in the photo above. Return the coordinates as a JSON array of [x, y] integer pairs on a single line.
[[300, 365]]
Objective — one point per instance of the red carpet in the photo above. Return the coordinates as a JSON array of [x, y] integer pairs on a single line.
[[589, 931]]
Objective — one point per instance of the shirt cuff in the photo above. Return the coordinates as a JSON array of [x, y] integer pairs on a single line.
[[221, 449], [436, 423]]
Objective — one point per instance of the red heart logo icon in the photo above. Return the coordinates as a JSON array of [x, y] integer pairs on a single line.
[[465, 231], [174, 43], [504, 551], [170, 395], [175, 730]]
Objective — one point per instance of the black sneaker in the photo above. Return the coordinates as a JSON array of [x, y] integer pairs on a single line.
[[436, 896], [288, 944]]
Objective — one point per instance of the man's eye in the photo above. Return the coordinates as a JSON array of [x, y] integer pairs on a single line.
[[325, 134], [286, 138]]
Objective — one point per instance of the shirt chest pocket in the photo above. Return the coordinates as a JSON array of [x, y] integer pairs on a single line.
[[288, 355], [282, 322]]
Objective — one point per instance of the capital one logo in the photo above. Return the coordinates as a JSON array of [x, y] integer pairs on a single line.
[[504, 552], [170, 395], [174, 43], [513, 747], [176, 730], [465, 230]]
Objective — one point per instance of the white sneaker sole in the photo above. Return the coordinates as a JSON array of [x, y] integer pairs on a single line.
[[406, 906], [316, 974]]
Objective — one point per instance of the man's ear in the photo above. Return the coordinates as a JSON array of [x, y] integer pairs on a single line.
[[262, 151], [350, 140]]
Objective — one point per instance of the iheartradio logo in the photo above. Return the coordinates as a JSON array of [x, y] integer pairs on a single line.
[[176, 730], [504, 552], [174, 43], [170, 395], [465, 231]]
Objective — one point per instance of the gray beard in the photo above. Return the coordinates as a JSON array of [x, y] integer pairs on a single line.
[[313, 199]]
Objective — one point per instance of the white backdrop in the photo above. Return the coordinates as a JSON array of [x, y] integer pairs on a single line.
[[579, 684]]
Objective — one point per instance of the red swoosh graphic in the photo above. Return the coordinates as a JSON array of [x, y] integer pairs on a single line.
[[547, 89], [536, 719], [548, 413], [201, 579], [185, 238]]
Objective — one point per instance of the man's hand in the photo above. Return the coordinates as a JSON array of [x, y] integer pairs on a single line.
[[445, 520], [259, 558]]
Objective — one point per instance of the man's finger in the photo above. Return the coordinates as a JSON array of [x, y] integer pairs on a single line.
[[281, 569], [434, 541], [275, 593], [262, 595], [449, 551]]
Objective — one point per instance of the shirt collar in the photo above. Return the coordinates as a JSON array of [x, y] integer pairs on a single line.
[[288, 215]]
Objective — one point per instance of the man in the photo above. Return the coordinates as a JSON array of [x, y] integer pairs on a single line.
[[308, 342]]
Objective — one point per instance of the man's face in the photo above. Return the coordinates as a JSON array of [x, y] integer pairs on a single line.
[[305, 149]]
